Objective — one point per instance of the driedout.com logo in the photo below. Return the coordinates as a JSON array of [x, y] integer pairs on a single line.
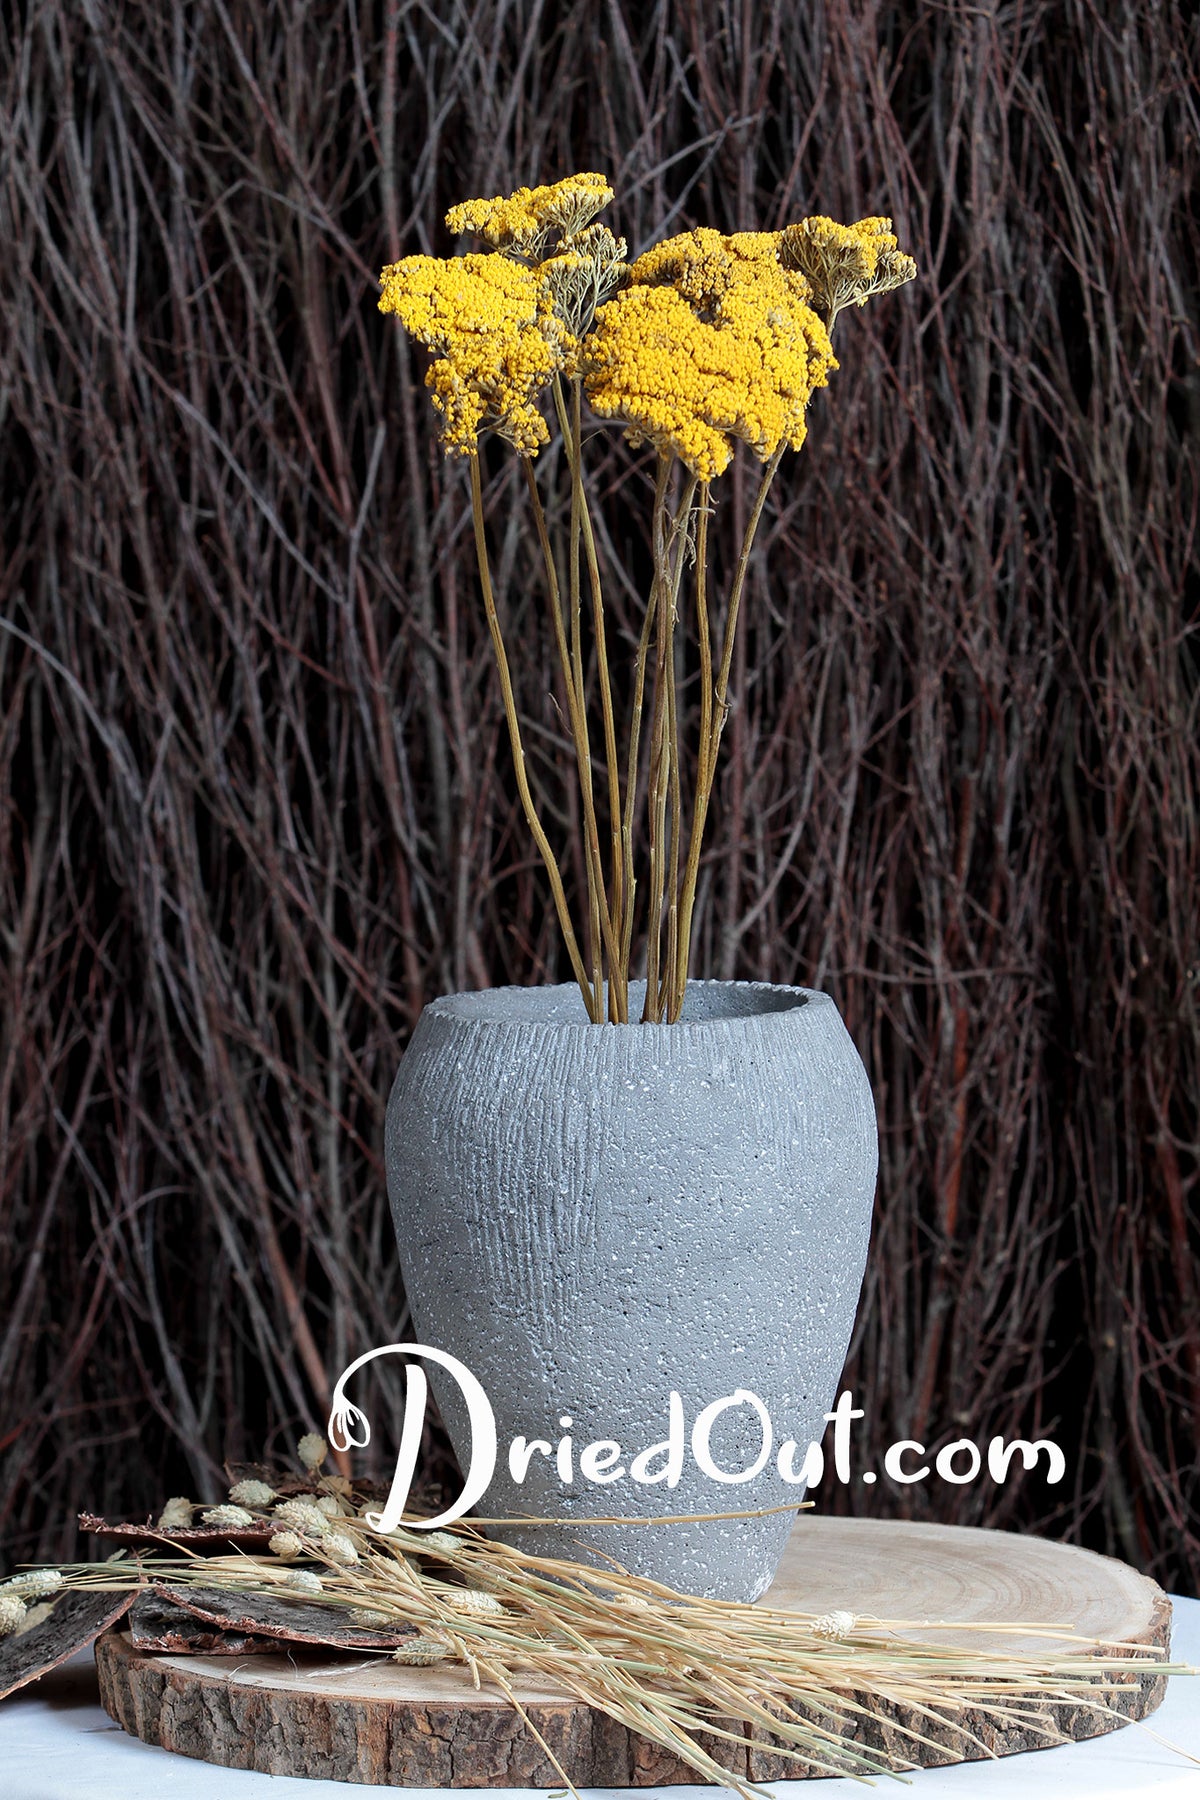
[[603, 1462]]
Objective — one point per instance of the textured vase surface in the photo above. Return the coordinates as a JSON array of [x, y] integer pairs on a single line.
[[593, 1216]]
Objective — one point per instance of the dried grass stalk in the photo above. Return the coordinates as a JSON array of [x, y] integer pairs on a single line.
[[679, 1671]]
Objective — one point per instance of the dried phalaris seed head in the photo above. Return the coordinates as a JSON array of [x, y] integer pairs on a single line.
[[420, 1652], [303, 1515], [474, 1600], [339, 1548], [252, 1493], [834, 1625], [12, 1612], [176, 1515], [228, 1516], [286, 1545], [312, 1449]]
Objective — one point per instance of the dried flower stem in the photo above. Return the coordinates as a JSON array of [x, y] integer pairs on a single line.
[[716, 723], [595, 873], [518, 749], [618, 974], [604, 927], [657, 530], [704, 776], [664, 750]]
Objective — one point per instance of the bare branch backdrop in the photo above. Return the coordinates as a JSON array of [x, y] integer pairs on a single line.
[[255, 803]]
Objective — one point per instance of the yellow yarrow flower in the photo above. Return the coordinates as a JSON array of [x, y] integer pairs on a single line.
[[496, 343], [845, 264], [703, 264], [712, 341], [519, 220], [550, 228]]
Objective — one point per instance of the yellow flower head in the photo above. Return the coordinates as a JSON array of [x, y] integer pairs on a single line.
[[702, 265], [712, 341], [522, 222], [551, 229], [496, 343], [846, 264]]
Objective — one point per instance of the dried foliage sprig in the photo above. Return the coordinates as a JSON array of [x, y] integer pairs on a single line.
[[704, 342]]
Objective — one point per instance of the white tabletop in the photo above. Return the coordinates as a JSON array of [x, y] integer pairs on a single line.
[[57, 1744]]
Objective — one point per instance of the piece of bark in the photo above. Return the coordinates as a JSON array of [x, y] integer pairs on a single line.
[[76, 1620], [192, 1537], [299, 1621], [158, 1624]]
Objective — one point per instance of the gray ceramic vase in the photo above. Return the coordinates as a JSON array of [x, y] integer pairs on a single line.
[[592, 1217]]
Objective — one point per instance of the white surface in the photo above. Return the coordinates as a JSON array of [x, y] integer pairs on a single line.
[[57, 1744]]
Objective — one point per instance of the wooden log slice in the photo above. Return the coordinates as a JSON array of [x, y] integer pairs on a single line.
[[381, 1724]]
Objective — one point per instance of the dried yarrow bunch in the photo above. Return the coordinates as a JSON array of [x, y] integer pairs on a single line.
[[704, 343]]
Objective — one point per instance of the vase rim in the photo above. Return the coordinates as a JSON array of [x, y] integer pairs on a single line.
[[559, 1006]]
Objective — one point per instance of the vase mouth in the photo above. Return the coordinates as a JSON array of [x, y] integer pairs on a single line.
[[705, 1004]]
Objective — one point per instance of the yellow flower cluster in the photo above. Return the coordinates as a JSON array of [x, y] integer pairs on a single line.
[[702, 265], [705, 341], [519, 221], [845, 264], [712, 341], [496, 342]]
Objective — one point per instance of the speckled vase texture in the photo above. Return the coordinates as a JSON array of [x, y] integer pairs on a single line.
[[593, 1216]]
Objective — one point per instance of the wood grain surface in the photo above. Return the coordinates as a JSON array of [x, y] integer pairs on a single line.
[[372, 1721]]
